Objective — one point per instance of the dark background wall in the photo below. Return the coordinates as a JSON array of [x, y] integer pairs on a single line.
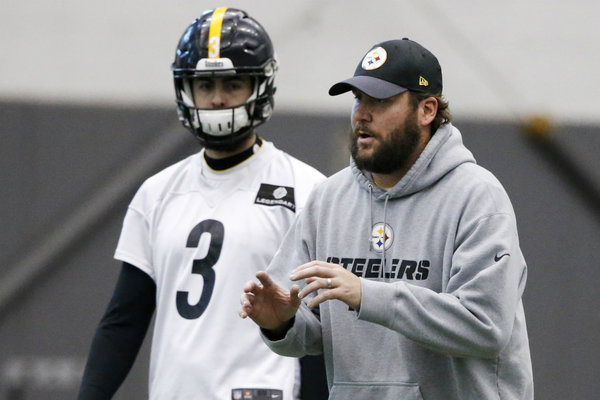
[[68, 172]]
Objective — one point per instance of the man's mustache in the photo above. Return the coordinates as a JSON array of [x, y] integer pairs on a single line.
[[362, 129]]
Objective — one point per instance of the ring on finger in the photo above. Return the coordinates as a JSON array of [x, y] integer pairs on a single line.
[[328, 283]]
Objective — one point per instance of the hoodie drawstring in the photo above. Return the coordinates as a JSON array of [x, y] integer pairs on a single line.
[[382, 271], [369, 236], [370, 227]]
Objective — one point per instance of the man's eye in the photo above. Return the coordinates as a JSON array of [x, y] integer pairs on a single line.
[[235, 85], [203, 83]]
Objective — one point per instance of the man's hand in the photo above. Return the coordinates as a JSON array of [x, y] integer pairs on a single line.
[[338, 282], [268, 304]]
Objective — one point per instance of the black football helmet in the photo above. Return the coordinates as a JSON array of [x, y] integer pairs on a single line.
[[225, 42]]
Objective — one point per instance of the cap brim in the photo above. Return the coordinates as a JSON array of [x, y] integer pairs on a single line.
[[373, 87]]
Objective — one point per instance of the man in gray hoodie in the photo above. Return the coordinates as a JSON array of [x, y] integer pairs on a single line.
[[404, 269]]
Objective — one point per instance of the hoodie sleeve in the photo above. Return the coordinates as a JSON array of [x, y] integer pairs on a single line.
[[474, 314], [304, 337]]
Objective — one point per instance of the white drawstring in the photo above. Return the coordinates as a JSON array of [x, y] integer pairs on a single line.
[[387, 196], [370, 215]]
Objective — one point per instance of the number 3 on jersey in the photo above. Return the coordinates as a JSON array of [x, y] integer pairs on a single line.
[[203, 267]]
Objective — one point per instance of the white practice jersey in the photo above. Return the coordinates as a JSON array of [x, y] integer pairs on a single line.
[[201, 234]]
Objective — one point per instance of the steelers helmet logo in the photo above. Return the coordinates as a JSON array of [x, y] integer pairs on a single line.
[[382, 237], [374, 59]]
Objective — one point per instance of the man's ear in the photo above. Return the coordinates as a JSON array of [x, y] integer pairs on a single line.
[[427, 110]]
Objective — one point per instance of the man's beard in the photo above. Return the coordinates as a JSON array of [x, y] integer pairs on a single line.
[[392, 154]]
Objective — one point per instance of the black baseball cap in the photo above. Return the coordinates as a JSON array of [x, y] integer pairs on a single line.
[[393, 67]]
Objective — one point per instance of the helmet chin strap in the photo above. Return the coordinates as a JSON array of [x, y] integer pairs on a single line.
[[222, 122]]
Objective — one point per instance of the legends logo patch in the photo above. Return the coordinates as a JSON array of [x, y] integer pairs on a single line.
[[272, 195]]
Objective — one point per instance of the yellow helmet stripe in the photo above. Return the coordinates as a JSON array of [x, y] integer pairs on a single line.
[[214, 33]]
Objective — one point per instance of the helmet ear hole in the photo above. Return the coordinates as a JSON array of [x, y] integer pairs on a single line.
[[241, 47]]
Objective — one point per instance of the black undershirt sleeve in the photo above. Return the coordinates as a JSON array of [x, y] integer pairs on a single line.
[[119, 335]]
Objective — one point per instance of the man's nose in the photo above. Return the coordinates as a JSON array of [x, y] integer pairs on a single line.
[[361, 112], [218, 99]]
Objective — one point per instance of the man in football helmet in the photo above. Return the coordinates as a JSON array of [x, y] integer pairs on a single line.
[[224, 46], [243, 193]]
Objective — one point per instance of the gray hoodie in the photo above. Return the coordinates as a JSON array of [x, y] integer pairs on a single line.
[[442, 277]]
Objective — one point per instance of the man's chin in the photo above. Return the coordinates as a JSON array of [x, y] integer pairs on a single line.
[[364, 152], [362, 159]]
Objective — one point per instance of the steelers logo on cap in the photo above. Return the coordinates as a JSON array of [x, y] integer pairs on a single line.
[[374, 59]]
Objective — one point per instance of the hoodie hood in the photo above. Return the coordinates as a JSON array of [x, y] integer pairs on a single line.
[[444, 152]]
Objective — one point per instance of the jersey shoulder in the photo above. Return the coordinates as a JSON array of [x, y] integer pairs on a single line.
[[300, 168], [176, 177]]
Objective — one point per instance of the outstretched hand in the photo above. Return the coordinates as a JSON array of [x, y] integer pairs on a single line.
[[337, 282], [268, 304]]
